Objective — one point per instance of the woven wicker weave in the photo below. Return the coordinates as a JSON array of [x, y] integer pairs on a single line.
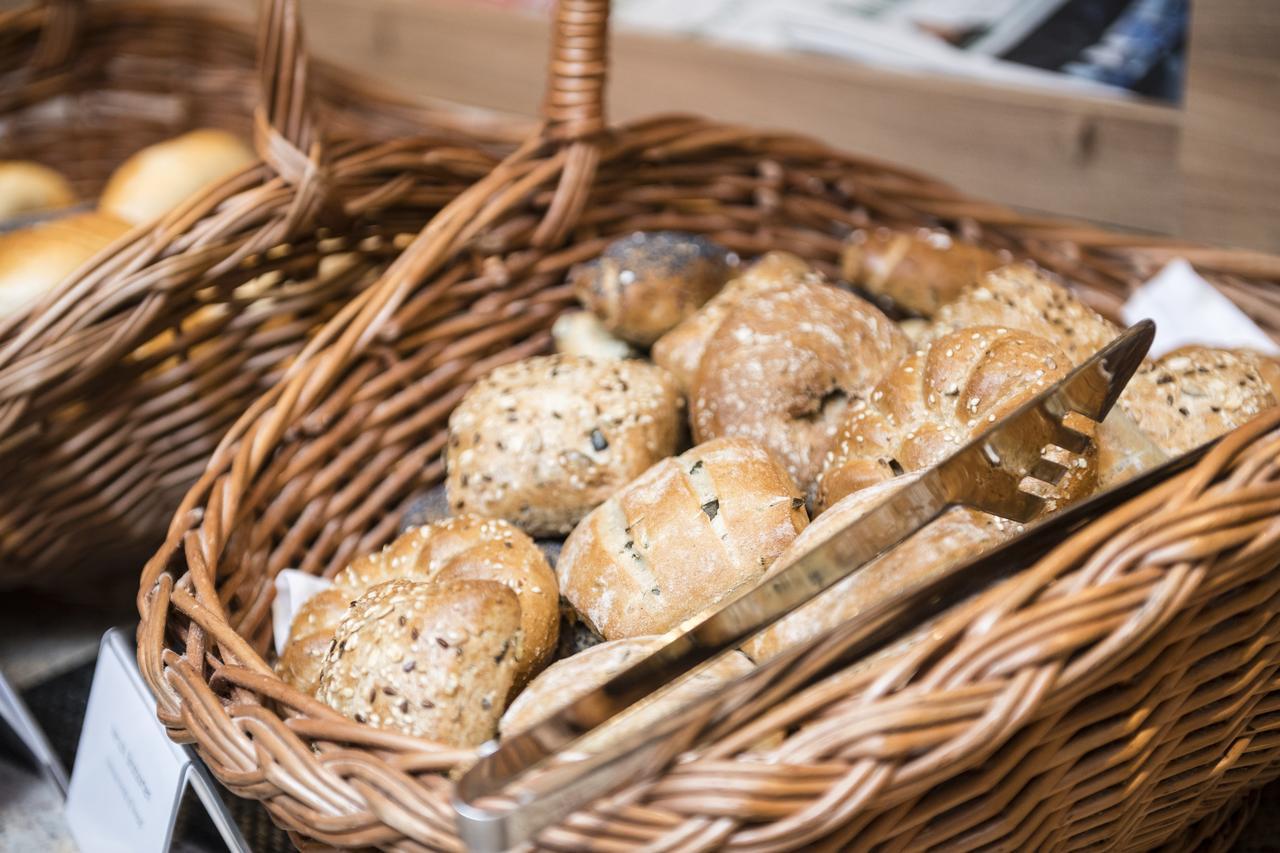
[[1112, 694], [107, 436], [86, 83]]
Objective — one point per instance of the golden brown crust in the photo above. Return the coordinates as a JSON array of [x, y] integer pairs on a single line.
[[574, 677], [34, 260], [680, 538], [543, 441], [785, 366], [462, 547], [160, 177], [918, 270], [1021, 296], [433, 660], [1195, 394], [937, 400], [958, 534], [27, 187], [642, 285], [680, 350]]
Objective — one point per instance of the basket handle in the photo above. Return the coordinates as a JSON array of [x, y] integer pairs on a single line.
[[286, 131], [59, 34], [573, 108]]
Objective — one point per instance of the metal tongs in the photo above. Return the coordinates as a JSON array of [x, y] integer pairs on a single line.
[[532, 780]]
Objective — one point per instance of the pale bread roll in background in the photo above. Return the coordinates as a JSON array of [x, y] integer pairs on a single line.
[[27, 187], [582, 333], [34, 260], [160, 177]]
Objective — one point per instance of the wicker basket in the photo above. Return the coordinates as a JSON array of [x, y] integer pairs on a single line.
[[1113, 694], [86, 83], [106, 424]]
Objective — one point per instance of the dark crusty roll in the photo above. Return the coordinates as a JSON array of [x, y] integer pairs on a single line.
[[683, 536], [543, 441], [646, 283]]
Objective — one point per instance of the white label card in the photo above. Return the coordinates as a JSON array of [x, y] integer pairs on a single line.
[[129, 777]]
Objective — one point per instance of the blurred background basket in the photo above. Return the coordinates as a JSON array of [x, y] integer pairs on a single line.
[[86, 83], [115, 388], [1115, 693]]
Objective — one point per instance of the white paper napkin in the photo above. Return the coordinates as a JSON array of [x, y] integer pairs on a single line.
[[293, 589], [1189, 310]]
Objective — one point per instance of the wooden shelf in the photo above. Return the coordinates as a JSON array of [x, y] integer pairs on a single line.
[[1210, 171]]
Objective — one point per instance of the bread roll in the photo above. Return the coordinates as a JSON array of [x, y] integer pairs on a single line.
[[581, 333], [471, 548], [572, 678], [1195, 394], [786, 365], [958, 534], [683, 536], [545, 440], [310, 635], [644, 284], [160, 177], [1180, 401], [680, 350], [940, 398], [1023, 297], [432, 660], [27, 187], [33, 261], [920, 271]]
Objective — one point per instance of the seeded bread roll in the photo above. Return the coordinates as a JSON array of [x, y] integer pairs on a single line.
[[1180, 401], [468, 547], [543, 441], [937, 400], [27, 187], [684, 535], [162, 176], [310, 635], [646, 283], [1023, 297], [34, 260], [432, 660], [1195, 394], [581, 333], [920, 271], [574, 677], [786, 365], [958, 534], [680, 350]]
